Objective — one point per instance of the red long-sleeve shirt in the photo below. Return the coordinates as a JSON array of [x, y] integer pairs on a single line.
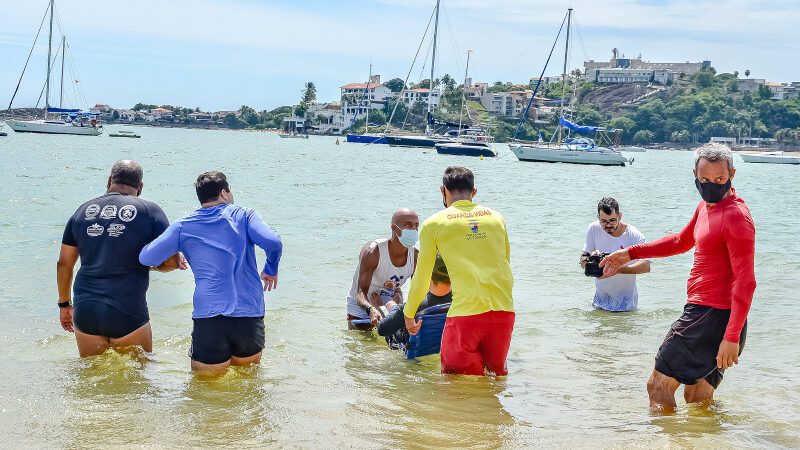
[[723, 235]]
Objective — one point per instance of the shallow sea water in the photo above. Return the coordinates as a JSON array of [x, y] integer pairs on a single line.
[[577, 376]]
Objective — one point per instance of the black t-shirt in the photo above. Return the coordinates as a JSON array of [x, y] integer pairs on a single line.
[[109, 232]]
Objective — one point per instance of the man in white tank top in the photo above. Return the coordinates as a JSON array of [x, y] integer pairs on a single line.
[[384, 265]]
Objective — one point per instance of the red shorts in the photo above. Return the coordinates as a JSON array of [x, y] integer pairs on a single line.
[[471, 344]]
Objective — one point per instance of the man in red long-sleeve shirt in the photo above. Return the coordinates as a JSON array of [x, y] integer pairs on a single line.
[[709, 336]]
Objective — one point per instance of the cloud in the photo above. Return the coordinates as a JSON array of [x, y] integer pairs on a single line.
[[226, 50]]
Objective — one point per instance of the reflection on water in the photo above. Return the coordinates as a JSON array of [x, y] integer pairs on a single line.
[[412, 399], [238, 404]]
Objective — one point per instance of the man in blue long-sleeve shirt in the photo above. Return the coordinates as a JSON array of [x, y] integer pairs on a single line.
[[218, 241]]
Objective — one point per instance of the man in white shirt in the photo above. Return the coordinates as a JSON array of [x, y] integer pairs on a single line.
[[609, 234]]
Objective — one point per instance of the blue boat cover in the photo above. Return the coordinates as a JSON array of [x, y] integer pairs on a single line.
[[62, 110], [429, 339], [575, 127]]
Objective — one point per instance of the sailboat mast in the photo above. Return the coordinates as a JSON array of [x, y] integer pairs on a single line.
[[369, 101], [49, 55], [433, 66], [564, 73], [63, 52], [463, 93]]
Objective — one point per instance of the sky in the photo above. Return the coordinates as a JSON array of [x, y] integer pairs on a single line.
[[222, 54]]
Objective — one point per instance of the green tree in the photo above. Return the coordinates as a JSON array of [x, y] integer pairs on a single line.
[[115, 115], [747, 73], [682, 136], [231, 121], [704, 79], [764, 92], [249, 115], [644, 137], [309, 92], [395, 84]]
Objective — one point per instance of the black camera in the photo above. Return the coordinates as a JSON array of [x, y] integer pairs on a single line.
[[592, 268]]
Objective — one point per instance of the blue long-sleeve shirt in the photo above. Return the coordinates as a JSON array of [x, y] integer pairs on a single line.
[[218, 243]]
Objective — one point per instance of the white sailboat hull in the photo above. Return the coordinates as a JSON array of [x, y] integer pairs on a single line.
[[52, 127], [562, 153], [770, 158]]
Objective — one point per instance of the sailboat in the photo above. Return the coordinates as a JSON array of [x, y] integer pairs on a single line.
[[428, 139], [367, 137], [61, 121], [568, 150], [467, 143]]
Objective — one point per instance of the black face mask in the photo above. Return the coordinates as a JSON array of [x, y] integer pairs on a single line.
[[712, 192]]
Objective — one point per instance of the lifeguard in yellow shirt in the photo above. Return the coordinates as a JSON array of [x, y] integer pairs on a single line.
[[473, 242]]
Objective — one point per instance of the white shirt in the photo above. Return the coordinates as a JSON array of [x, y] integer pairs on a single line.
[[617, 293], [385, 279]]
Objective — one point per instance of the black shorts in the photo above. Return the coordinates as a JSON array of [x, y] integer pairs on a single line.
[[98, 318], [689, 351], [216, 339]]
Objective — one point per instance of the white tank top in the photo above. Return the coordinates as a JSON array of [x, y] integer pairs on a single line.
[[385, 280]]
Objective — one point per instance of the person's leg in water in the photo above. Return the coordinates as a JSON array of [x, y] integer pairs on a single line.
[[700, 392], [661, 390]]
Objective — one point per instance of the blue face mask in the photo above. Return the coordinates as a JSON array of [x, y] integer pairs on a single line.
[[408, 237]]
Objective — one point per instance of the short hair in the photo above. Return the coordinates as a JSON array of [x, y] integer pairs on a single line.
[[440, 274], [128, 173], [458, 179], [714, 151], [608, 205], [209, 185]]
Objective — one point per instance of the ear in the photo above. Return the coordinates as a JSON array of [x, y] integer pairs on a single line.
[[474, 192], [694, 171], [442, 189], [141, 188], [733, 172], [108, 184]]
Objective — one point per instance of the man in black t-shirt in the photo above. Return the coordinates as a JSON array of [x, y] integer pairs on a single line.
[[109, 308]]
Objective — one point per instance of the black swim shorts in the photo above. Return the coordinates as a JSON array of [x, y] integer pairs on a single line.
[[98, 318], [216, 339], [689, 351]]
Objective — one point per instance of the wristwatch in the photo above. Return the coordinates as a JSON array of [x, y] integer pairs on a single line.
[[65, 304], [369, 309]]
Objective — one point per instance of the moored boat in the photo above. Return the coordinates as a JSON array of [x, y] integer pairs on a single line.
[[366, 138], [770, 158], [124, 134], [466, 148]]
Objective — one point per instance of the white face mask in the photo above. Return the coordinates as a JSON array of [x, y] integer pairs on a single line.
[[408, 237]]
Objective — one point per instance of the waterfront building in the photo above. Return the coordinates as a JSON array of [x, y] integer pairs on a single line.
[[620, 69]]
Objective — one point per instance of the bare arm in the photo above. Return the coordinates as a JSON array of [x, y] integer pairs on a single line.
[[639, 267], [368, 262], [175, 261], [65, 269]]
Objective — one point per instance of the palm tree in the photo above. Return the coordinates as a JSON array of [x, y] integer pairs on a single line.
[[747, 73]]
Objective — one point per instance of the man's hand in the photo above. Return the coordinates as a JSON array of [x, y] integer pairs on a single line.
[[375, 316], [728, 354], [182, 263], [613, 262], [412, 325], [584, 259], [270, 281], [65, 317]]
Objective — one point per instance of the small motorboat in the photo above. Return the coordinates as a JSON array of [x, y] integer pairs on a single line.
[[125, 134], [631, 149], [770, 158], [293, 135], [3, 133], [467, 146]]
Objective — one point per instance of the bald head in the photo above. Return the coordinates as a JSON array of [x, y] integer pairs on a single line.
[[404, 215]]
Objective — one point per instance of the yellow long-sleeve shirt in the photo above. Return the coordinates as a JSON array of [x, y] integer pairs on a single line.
[[473, 242]]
